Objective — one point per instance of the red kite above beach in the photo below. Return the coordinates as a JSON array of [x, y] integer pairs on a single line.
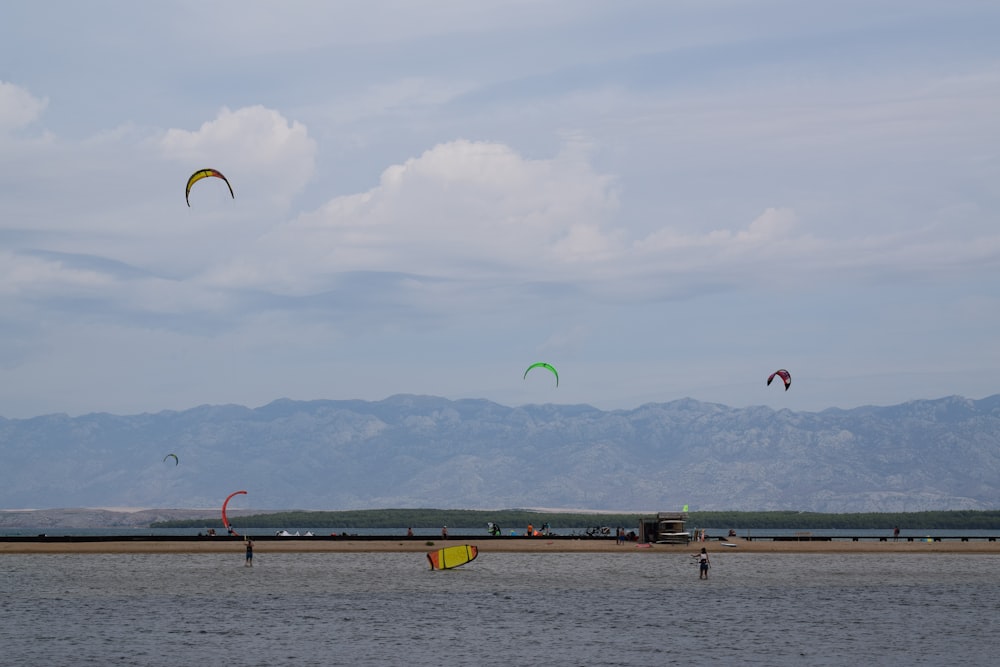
[[225, 521]]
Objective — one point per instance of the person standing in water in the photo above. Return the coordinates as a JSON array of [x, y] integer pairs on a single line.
[[703, 564], [249, 544]]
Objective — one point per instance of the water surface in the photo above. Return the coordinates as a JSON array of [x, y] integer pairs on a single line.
[[503, 609]]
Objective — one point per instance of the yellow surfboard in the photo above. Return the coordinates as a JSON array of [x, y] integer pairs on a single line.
[[449, 557]]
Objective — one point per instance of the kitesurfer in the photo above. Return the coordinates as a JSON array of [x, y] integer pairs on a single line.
[[703, 564], [249, 562]]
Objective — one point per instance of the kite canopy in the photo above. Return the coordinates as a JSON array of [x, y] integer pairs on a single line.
[[450, 557], [225, 521], [542, 364], [173, 456], [785, 376], [205, 173]]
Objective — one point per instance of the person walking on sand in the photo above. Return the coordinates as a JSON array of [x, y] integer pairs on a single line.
[[895, 534], [249, 562], [444, 532], [703, 564]]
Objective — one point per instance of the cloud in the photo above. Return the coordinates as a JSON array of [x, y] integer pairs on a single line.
[[669, 263], [468, 216], [773, 225], [254, 146], [18, 107], [34, 275], [463, 210]]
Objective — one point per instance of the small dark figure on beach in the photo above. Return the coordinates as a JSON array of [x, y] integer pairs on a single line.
[[703, 564], [249, 562], [444, 532], [409, 532], [895, 534]]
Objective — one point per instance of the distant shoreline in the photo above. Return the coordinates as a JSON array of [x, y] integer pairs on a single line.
[[487, 545], [34, 521]]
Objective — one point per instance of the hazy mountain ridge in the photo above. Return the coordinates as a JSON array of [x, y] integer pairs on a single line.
[[424, 451]]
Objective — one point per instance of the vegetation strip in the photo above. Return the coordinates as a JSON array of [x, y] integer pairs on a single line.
[[510, 519]]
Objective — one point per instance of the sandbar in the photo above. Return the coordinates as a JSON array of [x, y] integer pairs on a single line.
[[505, 545]]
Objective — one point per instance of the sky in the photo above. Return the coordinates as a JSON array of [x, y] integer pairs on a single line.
[[661, 199]]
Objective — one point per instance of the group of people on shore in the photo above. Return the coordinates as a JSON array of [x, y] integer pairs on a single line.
[[544, 531], [493, 528]]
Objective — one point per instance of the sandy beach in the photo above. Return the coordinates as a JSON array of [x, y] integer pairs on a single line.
[[487, 545]]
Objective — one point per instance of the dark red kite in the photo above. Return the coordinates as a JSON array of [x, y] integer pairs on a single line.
[[784, 375]]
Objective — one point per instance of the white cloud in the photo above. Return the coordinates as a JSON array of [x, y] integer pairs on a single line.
[[254, 146], [18, 107], [478, 212], [773, 226], [462, 209], [37, 276]]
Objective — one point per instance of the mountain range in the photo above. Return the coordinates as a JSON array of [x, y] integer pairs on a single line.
[[410, 451]]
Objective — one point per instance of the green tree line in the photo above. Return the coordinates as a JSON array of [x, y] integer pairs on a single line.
[[413, 518], [517, 519]]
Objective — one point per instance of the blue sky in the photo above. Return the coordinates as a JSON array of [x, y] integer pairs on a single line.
[[662, 199]]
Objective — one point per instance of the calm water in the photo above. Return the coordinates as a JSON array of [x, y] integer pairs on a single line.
[[643, 607]]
